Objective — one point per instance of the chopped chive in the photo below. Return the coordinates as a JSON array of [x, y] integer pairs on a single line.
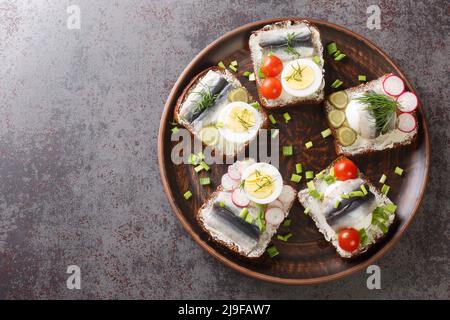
[[363, 236], [222, 204], [204, 165], [345, 196], [201, 155], [309, 145], [311, 185], [187, 195], [249, 219], [354, 194], [330, 179], [383, 178], [362, 78], [296, 178], [331, 48], [326, 133], [219, 124], [286, 117], [307, 210], [309, 175], [398, 171], [272, 251], [315, 194], [336, 84], [287, 222], [385, 189], [338, 52], [251, 77], [284, 238], [337, 203], [175, 130], [243, 213], [390, 207], [255, 105], [232, 68], [193, 159], [234, 63], [199, 168], [316, 59], [340, 57], [261, 74], [363, 189], [320, 175], [221, 64], [205, 181], [272, 119], [246, 74], [275, 133], [298, 168], [321, 195], [288, 151]]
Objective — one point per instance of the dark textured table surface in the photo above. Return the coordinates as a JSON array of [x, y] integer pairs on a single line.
[[79, 116]]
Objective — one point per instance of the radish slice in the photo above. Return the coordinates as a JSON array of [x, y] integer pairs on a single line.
[[274, 216], [276, 204], [234, 173], [406, 122], [407, 102], [393, 85], [239, 198], [229, 184]]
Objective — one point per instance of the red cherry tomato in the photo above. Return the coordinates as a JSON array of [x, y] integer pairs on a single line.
[[345, 169], [349, 239], [271, 66], [270, 88]]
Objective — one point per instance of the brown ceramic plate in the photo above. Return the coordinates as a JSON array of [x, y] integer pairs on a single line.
[[307, 258]]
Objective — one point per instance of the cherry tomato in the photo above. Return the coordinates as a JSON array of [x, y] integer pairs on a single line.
[[345, 169], [349, 239], [270, 88], [271, 66]]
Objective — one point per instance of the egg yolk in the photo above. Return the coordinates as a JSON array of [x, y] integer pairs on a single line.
[[259, 185], [239, 120], [300, 77]]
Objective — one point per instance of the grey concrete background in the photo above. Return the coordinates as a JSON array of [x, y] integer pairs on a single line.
[[79, 115]]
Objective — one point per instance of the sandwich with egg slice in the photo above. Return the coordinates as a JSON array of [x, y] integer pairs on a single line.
[[347, 208], [247, 208], [218, 110], [288, 63], [374, 116]]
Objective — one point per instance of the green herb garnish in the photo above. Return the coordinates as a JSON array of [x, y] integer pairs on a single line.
[[381, 107], [290, 38], [296, 73], [206, 100]]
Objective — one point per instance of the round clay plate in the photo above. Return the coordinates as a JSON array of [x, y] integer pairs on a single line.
[[306, 258]]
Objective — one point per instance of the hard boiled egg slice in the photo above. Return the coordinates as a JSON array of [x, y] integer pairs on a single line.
[[262, 182], [239, 122], [301, 77]]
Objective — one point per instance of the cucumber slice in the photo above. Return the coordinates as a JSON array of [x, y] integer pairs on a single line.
[[339, 99], [336, 118], [346, 136], [209, 135], [238, 94]]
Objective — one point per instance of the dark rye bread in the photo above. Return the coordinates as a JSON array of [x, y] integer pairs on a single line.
[[254, 52], [191, 85], [347, 151], [377, 234], [267, 237]]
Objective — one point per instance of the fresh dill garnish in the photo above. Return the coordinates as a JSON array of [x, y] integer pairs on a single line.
[[290, 38], [206, 100], [245, 123], [381, 107], [296, 73], [266, 181]]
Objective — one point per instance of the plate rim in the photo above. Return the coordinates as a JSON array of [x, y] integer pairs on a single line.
[[204, 244]]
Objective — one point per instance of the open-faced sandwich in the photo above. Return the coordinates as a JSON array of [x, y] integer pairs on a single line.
[[247, 208], [288, 63], [346, 208], [218, 110], [374, 116]]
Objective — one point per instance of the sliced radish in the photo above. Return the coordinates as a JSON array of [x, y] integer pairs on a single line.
[[274, 216], [406, 122], [276, 204], [393, 85], [407, 102], [239, 198], [233, 172], [229, 184]]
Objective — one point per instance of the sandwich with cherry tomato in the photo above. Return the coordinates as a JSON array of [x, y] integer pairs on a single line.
[[346, 208], [288, 63]]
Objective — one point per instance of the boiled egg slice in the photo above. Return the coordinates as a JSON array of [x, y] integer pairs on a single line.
[[262, 182], [301, 77], [239, 122]]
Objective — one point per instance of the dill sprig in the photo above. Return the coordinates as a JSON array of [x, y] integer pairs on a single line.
[[206, 100], [290, 38], [296, 74], [245, 123], [267, 181], [381, 107]]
